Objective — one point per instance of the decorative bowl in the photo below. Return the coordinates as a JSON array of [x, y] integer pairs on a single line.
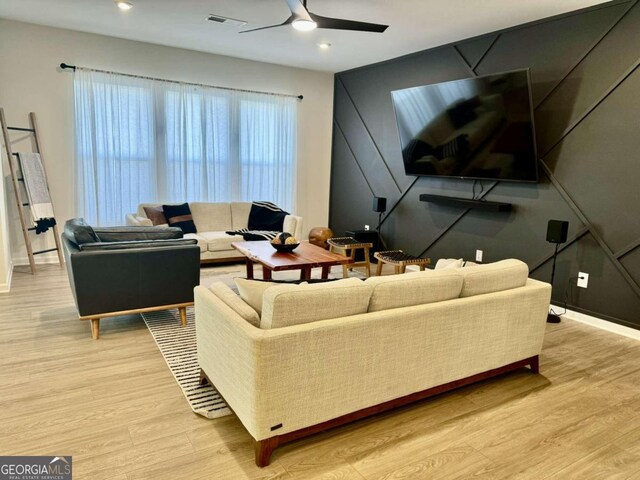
[[284, 248]]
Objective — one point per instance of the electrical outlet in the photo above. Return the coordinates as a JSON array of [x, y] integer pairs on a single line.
[[478, 255], [583, 279], [366, 227]]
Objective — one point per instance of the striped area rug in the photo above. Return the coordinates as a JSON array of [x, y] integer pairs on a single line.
[[178, 347]]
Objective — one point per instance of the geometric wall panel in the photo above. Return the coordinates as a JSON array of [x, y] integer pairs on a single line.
[[474, 50], [598, 165], [592, 77], [538, 47], [587, 130]]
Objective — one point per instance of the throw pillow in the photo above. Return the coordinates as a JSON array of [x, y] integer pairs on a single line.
[[251, 292], [180, 216], [156, 215], [448, 263], [79, 231], [266, 216]]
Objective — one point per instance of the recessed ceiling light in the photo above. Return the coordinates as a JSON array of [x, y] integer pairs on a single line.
[[324, 45], [124, 5], [304, 25]]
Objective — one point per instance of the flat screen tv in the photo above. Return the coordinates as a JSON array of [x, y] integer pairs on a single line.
[[477, 128]]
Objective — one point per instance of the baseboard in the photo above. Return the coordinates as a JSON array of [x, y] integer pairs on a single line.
[[40, 259], [599, 323], [6, 287]]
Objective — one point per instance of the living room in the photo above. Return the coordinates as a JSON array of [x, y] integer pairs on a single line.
[[115, 406]]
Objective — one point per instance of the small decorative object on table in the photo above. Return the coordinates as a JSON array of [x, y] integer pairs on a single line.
[[285, 243], [318, 236]]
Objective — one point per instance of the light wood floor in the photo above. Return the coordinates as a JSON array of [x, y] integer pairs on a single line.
[[114, 406]]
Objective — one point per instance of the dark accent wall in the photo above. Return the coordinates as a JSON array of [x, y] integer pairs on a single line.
[[586, 93]]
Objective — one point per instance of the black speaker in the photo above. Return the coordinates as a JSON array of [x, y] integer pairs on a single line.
[[379, 204], [557, 231]]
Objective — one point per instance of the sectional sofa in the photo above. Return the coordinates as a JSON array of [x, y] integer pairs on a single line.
[[212, 221], [325, 354]]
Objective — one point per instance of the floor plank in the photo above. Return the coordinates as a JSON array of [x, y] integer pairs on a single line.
[[114, 406]]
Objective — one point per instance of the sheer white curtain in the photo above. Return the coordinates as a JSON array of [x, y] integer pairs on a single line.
[[140, 140]]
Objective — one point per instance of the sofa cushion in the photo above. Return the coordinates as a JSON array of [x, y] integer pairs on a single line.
[[285, 305], [252, 291], [240, 215], [79, 231], [446, 263], [236, 303], [211, 217], [180, 216], [493, 277], [415, 288], [201, 241], [155, 213], [219, 241]]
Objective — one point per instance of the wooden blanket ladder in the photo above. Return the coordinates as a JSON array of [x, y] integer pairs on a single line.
[[20, 199]]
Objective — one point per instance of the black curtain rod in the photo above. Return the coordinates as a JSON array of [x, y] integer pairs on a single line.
[[66, 66]]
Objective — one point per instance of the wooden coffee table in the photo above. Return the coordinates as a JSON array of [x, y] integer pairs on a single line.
[[303, 258]]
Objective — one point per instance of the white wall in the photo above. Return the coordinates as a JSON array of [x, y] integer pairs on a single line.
[[30, 80]]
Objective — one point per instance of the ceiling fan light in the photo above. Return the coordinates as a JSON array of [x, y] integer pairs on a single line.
[[304, 25], [124, 5]]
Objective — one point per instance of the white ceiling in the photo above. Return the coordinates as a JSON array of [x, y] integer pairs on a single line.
[[414, 25]]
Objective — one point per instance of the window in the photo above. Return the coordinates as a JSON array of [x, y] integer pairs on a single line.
[[140, 140]]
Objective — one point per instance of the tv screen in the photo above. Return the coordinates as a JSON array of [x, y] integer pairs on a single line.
[[478, 128]]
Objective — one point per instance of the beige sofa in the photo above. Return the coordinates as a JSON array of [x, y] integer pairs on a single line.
[[212, 221], [325, 354]]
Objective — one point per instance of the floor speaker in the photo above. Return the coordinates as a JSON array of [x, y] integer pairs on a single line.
[[557, 231]]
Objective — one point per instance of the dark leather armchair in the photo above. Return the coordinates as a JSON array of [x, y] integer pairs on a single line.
[[122, 270]]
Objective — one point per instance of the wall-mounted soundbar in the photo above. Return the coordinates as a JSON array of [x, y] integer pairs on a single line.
[[466, 203]]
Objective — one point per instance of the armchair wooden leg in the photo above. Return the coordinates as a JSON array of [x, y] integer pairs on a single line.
[[95, 328], [264, 449], [379, 268], [183, 316]]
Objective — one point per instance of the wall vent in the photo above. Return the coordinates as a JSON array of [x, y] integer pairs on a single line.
[[232, 22]]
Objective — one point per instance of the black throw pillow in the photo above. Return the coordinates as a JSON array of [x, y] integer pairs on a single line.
[[180, 216], [266, 216]]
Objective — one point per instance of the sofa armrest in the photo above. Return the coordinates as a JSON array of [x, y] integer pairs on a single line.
[[293, 224], [228, 349], [134, 220]]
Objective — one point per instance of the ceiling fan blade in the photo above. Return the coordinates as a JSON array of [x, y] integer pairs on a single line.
[[286, 22], [298, 9], [341, 24]]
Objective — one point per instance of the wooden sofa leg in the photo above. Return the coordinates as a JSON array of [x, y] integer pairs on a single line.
[[183, 315], [95, 328], [535, 364], [264, 449]]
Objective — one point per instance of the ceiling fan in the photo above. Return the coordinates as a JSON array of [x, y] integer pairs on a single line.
[[302, 19]]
